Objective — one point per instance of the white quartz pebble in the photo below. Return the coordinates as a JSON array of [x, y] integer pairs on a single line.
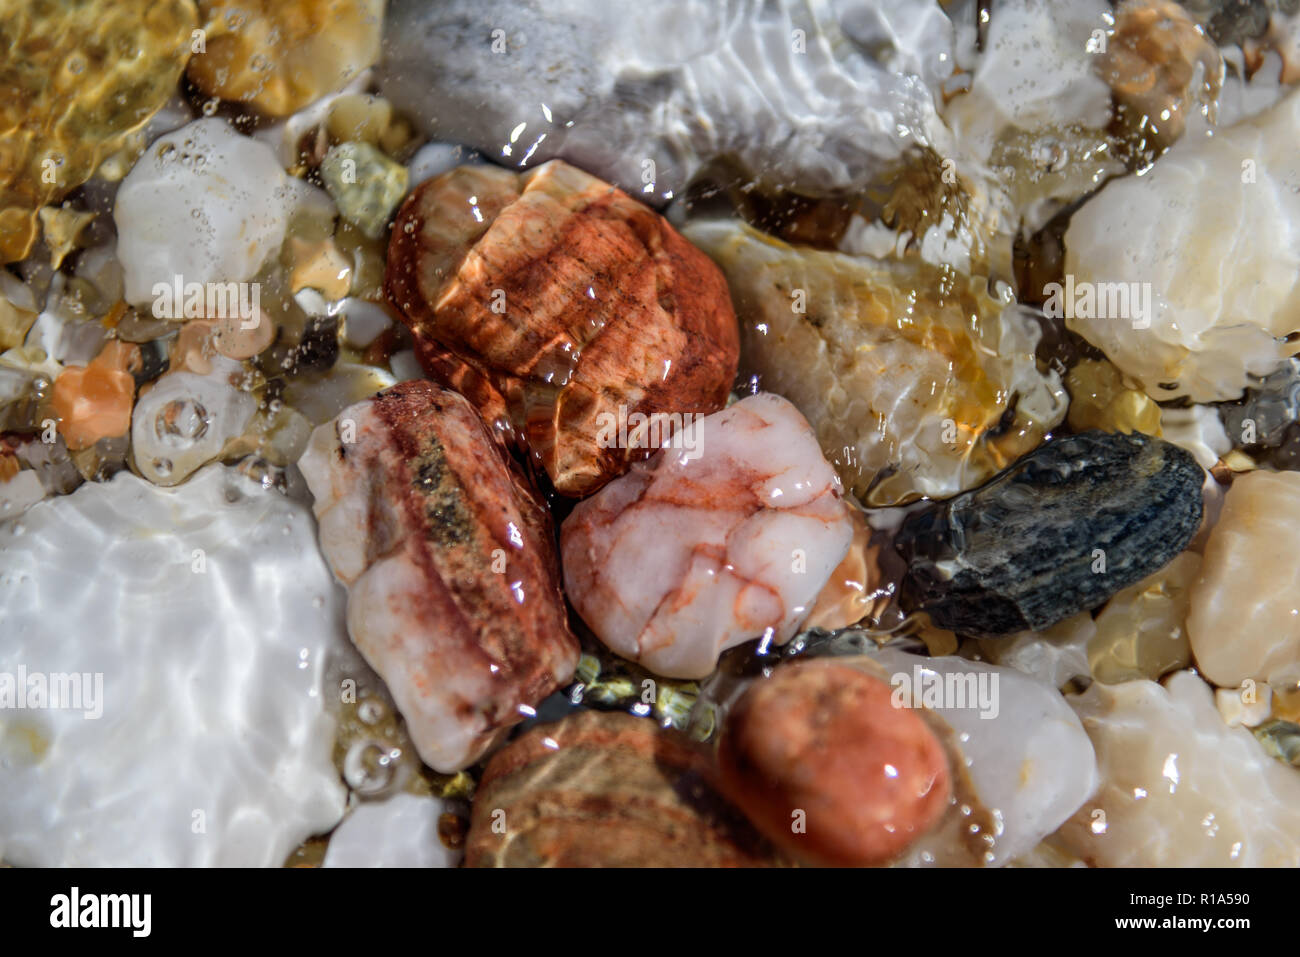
[[205, 620], [728, 535], [401, 831], [1179, 788], [1027, 755], [186, 419], [1211, 235], [204, 203]]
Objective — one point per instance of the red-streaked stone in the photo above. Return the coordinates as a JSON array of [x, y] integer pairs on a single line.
[[567, 300], [449, 558]]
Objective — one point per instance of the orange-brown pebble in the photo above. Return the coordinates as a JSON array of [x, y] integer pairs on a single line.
[[852, 592], [606, 789], [567, 304], [94, 402], [828, 769]]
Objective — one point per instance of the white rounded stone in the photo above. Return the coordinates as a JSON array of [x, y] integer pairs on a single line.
[[1179, 788], [212, 619], [401, 831], [203, 203]]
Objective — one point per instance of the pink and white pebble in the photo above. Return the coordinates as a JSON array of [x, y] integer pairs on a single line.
[[726, 536]]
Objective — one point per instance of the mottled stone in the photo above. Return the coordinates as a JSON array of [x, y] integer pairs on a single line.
[[365, 183], [280, 55], [1160, 67], [559, 305], [829, 769], [449, 558], [606, 789], [727, 536], [905, 370], [1059, 532]]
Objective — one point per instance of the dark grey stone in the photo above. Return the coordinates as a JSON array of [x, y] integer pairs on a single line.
[[1059, 532]]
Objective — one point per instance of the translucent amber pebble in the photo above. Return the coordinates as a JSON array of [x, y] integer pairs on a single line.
[[1099, 399], [280, 55], [1141, 633], [1157, 64], [79, 76], [915, 379]]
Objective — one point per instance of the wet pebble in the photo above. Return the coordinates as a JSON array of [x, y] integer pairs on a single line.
[[606, 789], [727, 536], [565, 310], [827, 767], [448, 556], [1059, 532]]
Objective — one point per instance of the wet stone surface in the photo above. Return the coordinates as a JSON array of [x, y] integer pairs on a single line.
[[1058, 533]]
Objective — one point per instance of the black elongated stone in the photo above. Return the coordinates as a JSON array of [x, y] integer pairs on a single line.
[[1059, 532]]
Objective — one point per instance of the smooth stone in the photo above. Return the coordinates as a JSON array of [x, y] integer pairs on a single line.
[[727, 535], [365, 183], [1026, 753], [1179, 788], [1244, 618], [606, 789], [1062, 530], [214, 628], [829, 769], [1212, 234], [205, 204], [448, 555], [818, 97], [401, 831]]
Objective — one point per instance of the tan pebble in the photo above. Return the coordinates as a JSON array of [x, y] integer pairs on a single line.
[[194, 347], [1100, 399], [231, 339], [319, 265], [359, 117], [850, 595], [62, 227]]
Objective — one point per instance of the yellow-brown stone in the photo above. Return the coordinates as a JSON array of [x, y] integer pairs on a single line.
[[280, 55], [78, 78]]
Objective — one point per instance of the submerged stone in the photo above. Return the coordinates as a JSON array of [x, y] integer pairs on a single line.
[[1065, 528]]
